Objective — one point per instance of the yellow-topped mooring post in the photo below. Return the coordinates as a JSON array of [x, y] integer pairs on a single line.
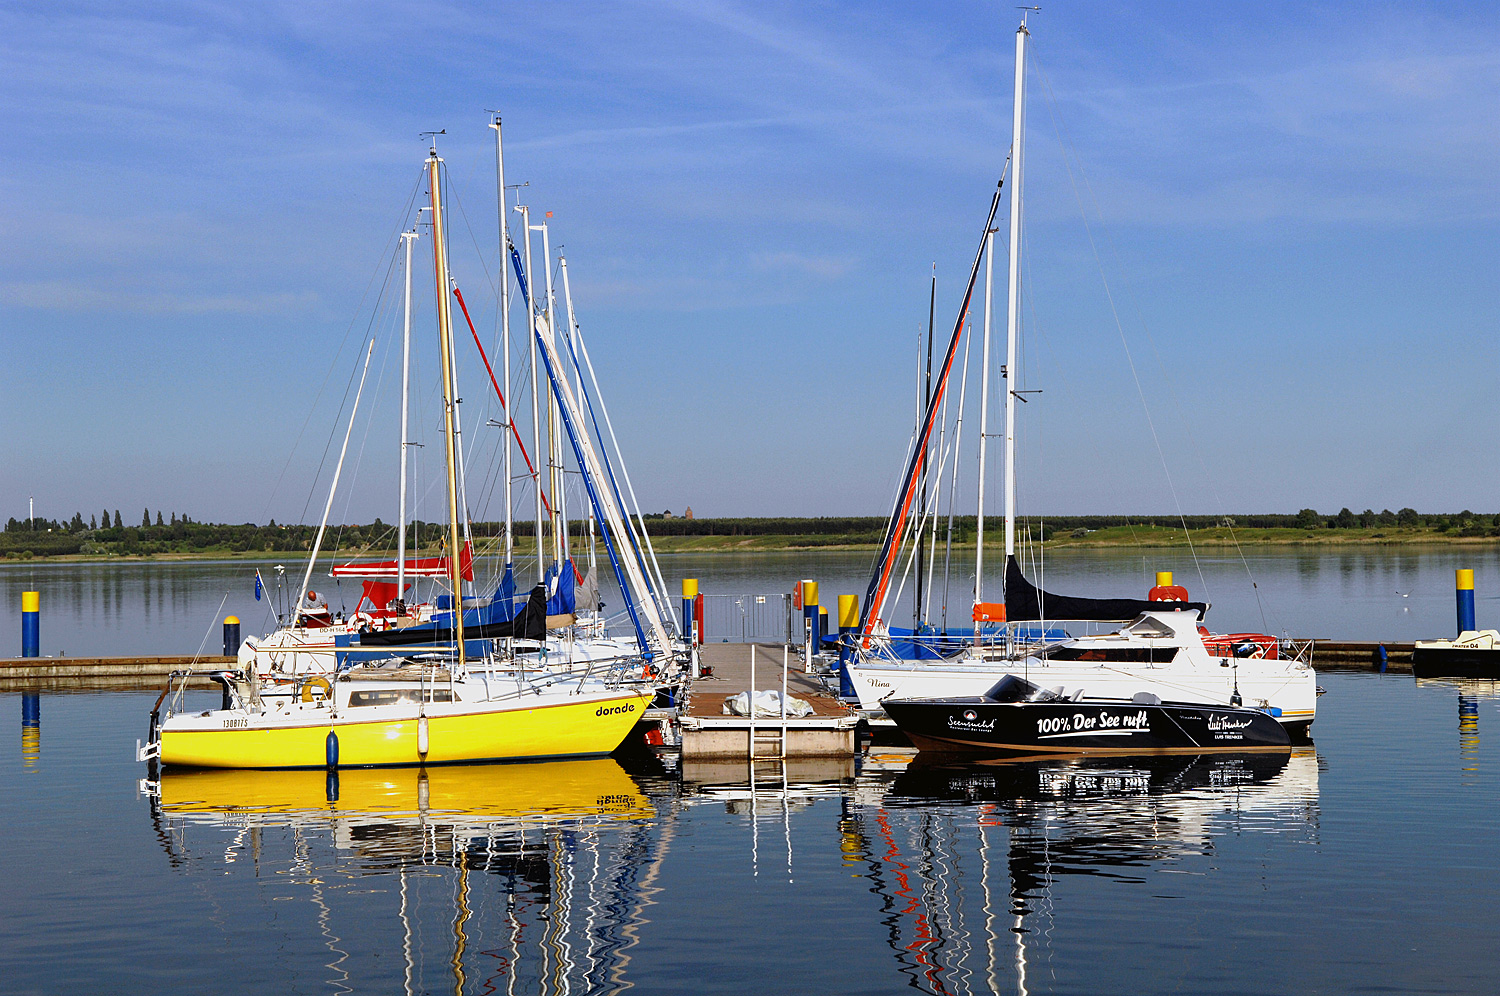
[[810, 619], [1463, 584], [231, 636], [848, 628], [31, 624], [689, 597]]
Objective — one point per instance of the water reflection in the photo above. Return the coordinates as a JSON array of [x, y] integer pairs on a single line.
[[31, 729], [1471, 691], [936, 846], [516, 878]]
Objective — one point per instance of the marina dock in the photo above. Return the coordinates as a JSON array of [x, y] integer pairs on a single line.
[[708, 734]]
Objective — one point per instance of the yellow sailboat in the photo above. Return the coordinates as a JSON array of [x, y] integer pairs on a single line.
[[441, 712]]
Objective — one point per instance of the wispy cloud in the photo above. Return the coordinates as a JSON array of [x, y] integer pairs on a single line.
[[63, 295]]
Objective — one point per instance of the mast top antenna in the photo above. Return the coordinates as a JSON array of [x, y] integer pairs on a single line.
[[1026, 11], [433, 136]]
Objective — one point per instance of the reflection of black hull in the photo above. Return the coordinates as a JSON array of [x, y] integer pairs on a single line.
[[978, 724], [1458, 662], [931, 777]]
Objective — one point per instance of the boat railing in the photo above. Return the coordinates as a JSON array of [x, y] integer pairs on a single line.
[[1297, 651]]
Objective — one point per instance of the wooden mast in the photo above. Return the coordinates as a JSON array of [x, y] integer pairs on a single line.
[[445, 347]]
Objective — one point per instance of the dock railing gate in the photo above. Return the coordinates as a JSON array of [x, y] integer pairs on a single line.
[[751, 619]]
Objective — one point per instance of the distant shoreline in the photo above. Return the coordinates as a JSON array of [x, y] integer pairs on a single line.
[[1113, 538]]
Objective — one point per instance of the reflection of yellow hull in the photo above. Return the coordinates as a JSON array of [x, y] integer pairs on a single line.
[[554, 790], [576, 726]]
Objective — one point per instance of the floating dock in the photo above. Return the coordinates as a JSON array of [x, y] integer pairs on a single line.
[[709, 735], [102, 672]]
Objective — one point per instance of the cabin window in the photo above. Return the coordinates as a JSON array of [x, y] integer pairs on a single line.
[[1115, 655], [394, 696]]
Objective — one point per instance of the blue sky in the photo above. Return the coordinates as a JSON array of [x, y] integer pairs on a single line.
[[1294, 206]]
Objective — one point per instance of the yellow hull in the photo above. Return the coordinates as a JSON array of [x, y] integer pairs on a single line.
[[571, 728], [542, 792]]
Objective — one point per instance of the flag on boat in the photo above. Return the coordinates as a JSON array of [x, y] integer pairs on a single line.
[[260, 585]]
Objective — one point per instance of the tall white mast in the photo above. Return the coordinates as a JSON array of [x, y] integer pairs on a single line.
[[450, 400], [562, 262], [406, 238], [1013, 313], [984, 413], [508, 428], [536, 414], [554, 424]]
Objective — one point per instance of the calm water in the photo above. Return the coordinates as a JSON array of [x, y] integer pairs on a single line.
[[1369, 864], [1369, 594]]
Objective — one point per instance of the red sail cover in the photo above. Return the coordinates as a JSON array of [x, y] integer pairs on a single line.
[[425, 567]]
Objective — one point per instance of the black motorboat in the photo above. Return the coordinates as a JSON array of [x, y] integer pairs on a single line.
[[1017, 717]]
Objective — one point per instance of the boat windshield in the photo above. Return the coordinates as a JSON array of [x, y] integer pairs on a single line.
[[1013, 688]]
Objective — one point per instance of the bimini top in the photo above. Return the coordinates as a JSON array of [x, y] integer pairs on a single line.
[[1025, 601]]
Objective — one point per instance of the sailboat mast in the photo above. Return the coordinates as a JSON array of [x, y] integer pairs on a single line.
[[504, 326], [406, 238], [554, 427], [918, 612], [1013, 312], [984, 414], [562, 262], [536, 413], [450, 442]]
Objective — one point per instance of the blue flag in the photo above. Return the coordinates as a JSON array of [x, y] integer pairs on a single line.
[[259, 585]]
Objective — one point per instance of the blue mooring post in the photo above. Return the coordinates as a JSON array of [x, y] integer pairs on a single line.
[[1381, 658], [31, 624], [231, 636], [1464, 591]]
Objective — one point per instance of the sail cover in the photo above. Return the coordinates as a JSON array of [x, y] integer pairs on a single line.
[[425, 567], [529, 624], [1024, 600]]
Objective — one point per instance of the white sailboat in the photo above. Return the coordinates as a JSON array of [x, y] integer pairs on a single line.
[[1160, 649]]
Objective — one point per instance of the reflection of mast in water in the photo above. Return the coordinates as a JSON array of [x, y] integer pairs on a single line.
[[564, 844], [1110, 818]]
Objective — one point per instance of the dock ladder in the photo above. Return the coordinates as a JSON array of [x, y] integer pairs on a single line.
[[767, 743]]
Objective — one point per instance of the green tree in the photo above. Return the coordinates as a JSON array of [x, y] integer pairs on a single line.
[[146, 519], [118, 524], [93, 523], [1308, 518], [1367, 518], [1407, 517], [158, 518], [1345, 519]]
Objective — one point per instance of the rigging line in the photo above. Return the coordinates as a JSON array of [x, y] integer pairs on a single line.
[[490, 370], [1119, 325], [333, 364], [386, 325], [1172, 392]]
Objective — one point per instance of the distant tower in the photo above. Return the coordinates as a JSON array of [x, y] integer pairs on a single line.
[[688, 514]]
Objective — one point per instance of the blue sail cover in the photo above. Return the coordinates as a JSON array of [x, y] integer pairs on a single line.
[[562, 590]]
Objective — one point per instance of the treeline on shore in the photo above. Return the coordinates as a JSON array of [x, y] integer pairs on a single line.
[[179, 534]]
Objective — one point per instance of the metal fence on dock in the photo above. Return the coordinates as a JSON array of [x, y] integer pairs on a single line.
[[751, 619]]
